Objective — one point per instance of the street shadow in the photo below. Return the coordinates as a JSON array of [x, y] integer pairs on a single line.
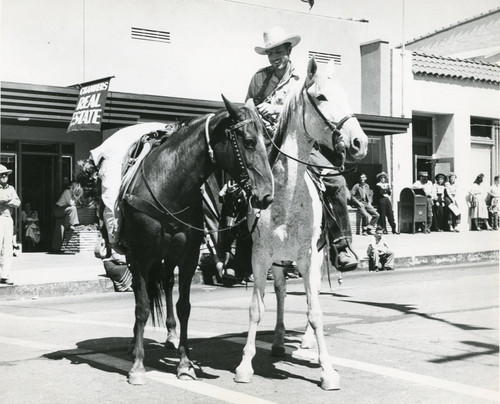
[[484, 349], [221, 353], [410, 309]]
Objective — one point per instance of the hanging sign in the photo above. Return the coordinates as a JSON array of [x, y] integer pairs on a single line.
[[90, 106]]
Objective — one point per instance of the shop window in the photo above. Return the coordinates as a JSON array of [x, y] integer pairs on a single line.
[[483, 128], [421, 127]]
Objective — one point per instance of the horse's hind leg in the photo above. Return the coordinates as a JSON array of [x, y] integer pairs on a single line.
[[172, 337], [142, 311]]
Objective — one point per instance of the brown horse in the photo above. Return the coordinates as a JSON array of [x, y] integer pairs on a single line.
[[163, 217]]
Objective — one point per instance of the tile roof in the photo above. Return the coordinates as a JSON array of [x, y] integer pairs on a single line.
[[462, 69]]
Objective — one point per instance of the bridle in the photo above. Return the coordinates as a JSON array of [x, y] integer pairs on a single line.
[[335, 127], [243, 178]]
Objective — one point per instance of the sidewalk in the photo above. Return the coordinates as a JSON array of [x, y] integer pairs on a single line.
[[42, 275]]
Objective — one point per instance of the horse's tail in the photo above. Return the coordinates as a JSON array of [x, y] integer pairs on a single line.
[[156, 291]]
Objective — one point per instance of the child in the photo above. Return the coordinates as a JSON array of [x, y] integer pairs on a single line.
[[379, 255]]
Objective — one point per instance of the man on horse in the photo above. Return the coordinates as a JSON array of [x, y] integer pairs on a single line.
[[268, 88]]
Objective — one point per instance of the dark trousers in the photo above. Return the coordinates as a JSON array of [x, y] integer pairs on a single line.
[[385, 211], [65, 217]]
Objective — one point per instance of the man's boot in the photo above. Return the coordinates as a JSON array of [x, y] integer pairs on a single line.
[[340, 250]]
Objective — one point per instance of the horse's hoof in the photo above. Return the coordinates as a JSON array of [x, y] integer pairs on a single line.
[[186, 374], [136, 378], [171, 343], [243, 377], [308, 344], [278, 351], [331, 382]]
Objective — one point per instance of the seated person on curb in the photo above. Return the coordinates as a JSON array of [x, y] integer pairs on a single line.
[[66, 214], [380, 257], [361, 193], [426, 185]]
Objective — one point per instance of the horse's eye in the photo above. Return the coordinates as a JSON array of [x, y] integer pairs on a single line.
[[321, 98], [249, 143]]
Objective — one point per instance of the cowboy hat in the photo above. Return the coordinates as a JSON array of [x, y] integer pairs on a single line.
[[382, 174], [423, 174], [4, 169], [274, 37]]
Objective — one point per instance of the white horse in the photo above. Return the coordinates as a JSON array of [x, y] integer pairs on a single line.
[[290, 228]]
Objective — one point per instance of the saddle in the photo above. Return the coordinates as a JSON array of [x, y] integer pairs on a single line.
[[136, 154]]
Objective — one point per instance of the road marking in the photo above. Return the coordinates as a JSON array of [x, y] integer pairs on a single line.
[[30, 344], [312, 355], [198, 334], [305, 354], [194, 386]]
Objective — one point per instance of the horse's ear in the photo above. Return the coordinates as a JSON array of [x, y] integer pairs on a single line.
[[312, 69], [233, 112]]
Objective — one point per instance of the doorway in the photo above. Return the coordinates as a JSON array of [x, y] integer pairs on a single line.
[[39, 189]]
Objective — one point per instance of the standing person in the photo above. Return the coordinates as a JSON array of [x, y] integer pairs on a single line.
[[493, 199], [66, 214], [380, 257], [8, 202], [424, 184], [383, 192], [362, 193], [452, 210], [438, 205], [477, 205]]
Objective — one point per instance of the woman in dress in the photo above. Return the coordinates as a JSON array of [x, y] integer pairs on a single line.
[[452, 210], [477, 205], [383, 193]]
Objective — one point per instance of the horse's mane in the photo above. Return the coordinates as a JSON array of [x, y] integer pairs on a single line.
[[291, 102]]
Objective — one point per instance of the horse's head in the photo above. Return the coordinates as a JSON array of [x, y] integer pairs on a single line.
[[329, 112], [243, 154]]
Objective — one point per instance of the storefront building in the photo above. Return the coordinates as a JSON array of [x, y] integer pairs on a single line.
[[165, 67], [448, 83]]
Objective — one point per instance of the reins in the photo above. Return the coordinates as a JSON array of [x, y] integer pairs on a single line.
[[335, 127]]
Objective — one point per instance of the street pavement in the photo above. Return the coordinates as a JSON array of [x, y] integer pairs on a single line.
[[42, 274], [427, 336]]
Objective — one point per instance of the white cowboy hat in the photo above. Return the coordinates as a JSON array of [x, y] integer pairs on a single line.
[[4, 169], [274, 37]]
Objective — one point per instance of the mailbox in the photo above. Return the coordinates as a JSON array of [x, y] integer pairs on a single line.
[[412, 209]]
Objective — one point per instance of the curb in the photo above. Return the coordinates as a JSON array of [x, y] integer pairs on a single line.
[[440, 259], [105, 285]]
